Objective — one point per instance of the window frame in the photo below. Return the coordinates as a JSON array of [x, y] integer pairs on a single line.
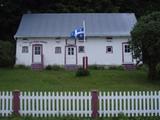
[[80, 50], [111, 47], [58, 50], [25, 49], [127, 48], [37, 51]]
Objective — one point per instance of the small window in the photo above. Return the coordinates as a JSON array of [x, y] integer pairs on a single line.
[[57, 50], [127, 49], [25, 49], [109, 49], [37, 50], [70, 51], [81, 49]]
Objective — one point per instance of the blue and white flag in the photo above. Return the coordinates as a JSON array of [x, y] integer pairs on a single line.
[[78, 33]]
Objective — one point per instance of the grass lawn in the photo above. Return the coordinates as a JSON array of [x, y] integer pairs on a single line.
[[103, 80]]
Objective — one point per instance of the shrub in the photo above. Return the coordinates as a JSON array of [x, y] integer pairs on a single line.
[[158, 70], [96, 67], [53, 67], [6, 54], [48, 67], [81, 72], [116, 67], [21, 67], [143, 67], [56, 67]]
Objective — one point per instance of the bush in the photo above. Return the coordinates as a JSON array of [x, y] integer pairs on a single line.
[[21, 67], [53, 67], [96, 67], [143, 67], [116, 67], [158, 70], [48, 67], [81, 72], [56, 67], [6, 54]]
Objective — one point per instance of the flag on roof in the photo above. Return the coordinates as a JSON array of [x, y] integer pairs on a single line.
[[78, 33]]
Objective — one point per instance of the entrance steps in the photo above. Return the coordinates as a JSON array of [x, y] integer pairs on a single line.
[[130, 66], [37, 66]]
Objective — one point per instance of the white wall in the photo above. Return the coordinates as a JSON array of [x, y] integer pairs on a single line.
[[95, 49], [23, 58], [48, 51]]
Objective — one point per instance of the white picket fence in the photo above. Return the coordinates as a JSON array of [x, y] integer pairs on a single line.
[[46, 104], [5, 103], [129, 103], [50, 104]]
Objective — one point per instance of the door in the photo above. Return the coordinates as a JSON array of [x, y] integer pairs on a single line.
[[71, 55], [37, 53], [127, 54]]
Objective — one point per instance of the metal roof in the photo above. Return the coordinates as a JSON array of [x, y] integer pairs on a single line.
[[62, 24]]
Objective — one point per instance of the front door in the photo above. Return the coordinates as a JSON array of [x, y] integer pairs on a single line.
[[37, 53], [127, 54], [71, 55]]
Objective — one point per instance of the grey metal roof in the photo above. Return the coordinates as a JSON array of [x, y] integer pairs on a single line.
[[61, 25]]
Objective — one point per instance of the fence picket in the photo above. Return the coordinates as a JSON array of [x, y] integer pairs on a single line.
[[158, 103], [108, 103], [116, 104], [128, 106], [53, 104], [69, 104], [132, 104], [120, 102], [73, 102]]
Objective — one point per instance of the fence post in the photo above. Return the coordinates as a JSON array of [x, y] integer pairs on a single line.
[[86, 62], [94, 95], [16, 102]]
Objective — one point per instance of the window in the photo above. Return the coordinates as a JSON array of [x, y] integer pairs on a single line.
[[109, 49], [37, 50], [70, 51], [25, 49], [81, 49], [127, 48], [57, 50]]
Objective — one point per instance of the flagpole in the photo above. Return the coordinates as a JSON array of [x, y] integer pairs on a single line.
[[84, 27]]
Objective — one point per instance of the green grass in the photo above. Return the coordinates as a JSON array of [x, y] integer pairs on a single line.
[[102, 80]]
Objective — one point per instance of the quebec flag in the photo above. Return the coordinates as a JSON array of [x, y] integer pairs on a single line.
[[78, 33]]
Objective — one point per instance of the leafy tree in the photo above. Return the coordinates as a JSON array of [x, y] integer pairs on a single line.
[[146, 41], [6, 54]]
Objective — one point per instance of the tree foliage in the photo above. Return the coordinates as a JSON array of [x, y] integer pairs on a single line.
[[146, 41], [6, 54]]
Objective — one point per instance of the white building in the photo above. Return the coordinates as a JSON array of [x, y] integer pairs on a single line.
[[44, 39]]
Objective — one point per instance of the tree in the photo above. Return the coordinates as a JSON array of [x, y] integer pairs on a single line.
[[6, 54], [146, 41]]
